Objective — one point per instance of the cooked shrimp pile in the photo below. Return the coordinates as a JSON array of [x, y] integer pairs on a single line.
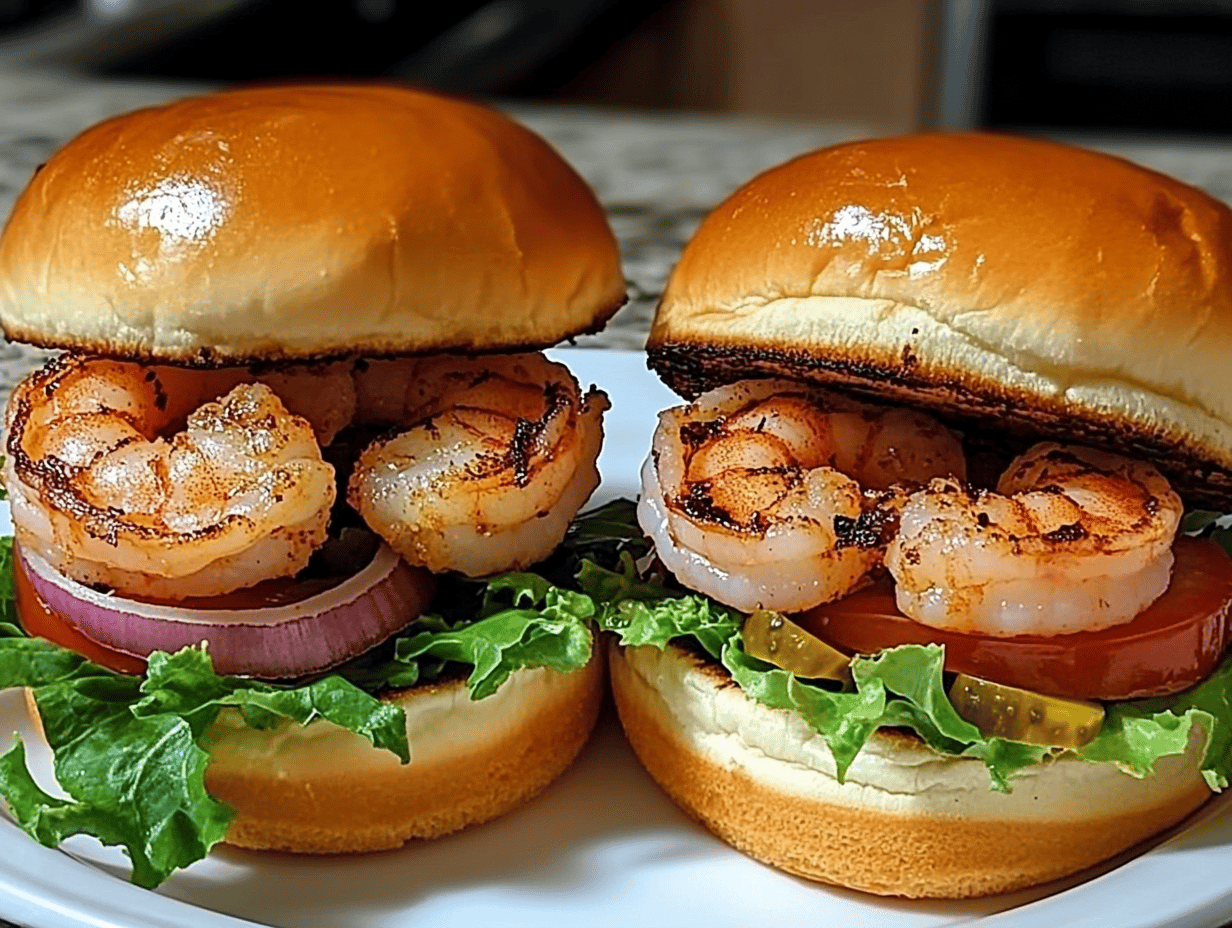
[[1073, 540], [764, 494], [174, 483]]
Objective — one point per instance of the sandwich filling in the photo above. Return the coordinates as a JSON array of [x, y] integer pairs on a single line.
[[278, 547], [1067, 585]]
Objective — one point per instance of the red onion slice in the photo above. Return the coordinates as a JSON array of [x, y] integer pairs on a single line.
[[309, 636]]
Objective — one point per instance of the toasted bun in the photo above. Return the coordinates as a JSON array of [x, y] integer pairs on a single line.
[[320, 789], [906, 821], [300, 222], [995, 280]]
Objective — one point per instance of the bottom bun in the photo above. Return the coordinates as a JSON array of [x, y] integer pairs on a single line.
[[907, 820], [319, 789]]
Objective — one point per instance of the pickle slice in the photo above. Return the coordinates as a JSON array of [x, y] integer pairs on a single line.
[[1020, 715], [777, 640]]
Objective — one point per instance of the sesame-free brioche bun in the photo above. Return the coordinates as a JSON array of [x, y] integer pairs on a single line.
[[1032, 285], [319, 789], [906, 821], [303, 222]]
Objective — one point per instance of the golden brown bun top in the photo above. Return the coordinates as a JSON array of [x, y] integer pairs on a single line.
[[296, 222], [1003, 282]]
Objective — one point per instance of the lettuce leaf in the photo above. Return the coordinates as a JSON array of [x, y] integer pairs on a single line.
[[1203, 523], [645, 621], [126, 749], [1138, 732], [545, 626], [900, 687], [904, 687]]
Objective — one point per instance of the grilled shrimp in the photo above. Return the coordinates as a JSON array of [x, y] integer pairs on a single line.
[[1073, 540], [768, 494], [495, 457], [102, 492]]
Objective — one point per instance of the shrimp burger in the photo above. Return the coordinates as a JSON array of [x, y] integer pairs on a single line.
[[927, 615], [295, 485]]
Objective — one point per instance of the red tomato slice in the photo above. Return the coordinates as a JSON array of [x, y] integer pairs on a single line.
[[1177, 642]]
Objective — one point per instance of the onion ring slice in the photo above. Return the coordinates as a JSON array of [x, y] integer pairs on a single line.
[[309, 636]]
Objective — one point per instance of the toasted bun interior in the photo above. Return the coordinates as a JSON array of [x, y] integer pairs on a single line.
[[907, 821], [1026, 285], [302, 222]]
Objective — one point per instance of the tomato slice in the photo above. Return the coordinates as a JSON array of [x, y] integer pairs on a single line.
[[1175, 643]]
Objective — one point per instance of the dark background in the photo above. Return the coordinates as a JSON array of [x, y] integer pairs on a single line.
[[1121, 66]]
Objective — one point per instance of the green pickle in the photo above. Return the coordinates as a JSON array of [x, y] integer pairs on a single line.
[[777, 640], [1020, 715]]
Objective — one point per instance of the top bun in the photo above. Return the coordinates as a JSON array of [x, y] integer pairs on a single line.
[[302, 222], [1036, 287]]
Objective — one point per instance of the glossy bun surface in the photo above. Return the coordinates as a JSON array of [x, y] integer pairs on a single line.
[[302, 222]]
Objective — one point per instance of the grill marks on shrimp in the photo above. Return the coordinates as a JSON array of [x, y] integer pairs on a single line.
[[137, 479], [59, 481], [756, 493], [695, 434], [767, 494], [1074, 531], [499, 457], [522, 455], [1072, 539], [125, 476], [873, 528], [528, 434], [698, 499]]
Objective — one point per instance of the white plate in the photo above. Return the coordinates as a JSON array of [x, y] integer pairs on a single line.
[[601, 846]]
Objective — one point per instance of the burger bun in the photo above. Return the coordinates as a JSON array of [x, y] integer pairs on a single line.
[[905, 820]]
